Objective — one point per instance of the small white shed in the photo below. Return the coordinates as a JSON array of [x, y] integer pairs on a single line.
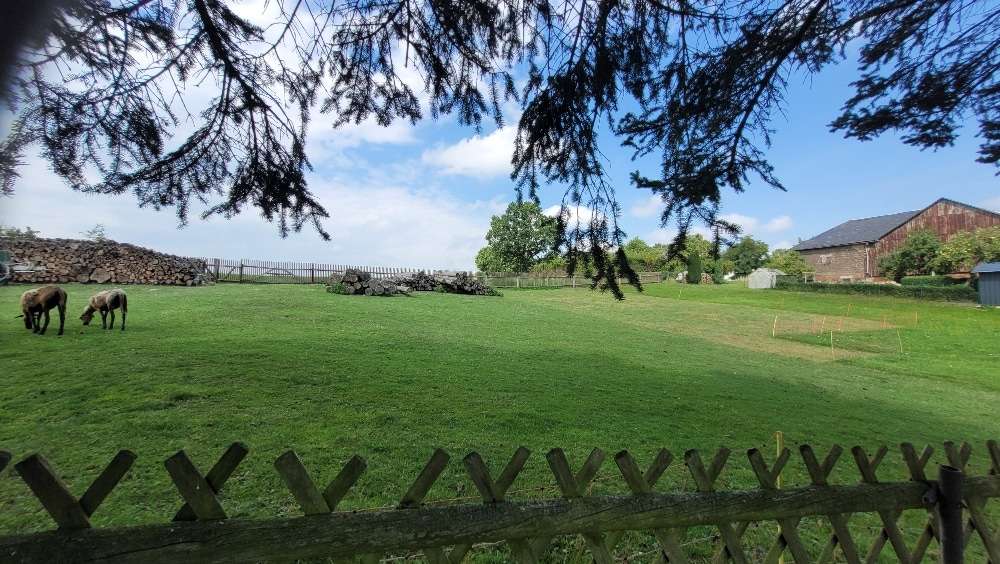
[[763, 278]]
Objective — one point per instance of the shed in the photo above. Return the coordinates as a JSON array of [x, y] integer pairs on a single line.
[[763, 278], [989, 282]]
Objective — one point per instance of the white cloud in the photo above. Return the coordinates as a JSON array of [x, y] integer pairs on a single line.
[[991, 204], [747, 224], [375, 222], [583, 214], [479, 156], [778, 224], [648, 207], [783, 244], [752, 225]]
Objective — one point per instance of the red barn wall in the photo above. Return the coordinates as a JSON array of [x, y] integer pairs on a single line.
[[944, 218]]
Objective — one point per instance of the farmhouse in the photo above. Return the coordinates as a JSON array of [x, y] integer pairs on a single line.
[[851, 250]]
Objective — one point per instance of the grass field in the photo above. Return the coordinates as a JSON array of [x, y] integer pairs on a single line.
[[392, 378]]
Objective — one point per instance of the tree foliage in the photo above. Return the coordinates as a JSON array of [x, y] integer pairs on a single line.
[[966, 249], [104, 93], [96, 233], [19, 233], [915, 256], [517, 240], [694, 268], [788, 261], [746, 255], [643, 257]]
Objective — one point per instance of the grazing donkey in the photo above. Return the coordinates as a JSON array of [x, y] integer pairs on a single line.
[[106, 302], [38, 302]]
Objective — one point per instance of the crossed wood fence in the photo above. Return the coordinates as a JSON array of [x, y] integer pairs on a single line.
[[201, 532]]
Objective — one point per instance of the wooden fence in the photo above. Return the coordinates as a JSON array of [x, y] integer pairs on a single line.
[[200, 531], [280, 272]]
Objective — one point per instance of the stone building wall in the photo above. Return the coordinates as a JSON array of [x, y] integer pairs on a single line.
[[834, 263]]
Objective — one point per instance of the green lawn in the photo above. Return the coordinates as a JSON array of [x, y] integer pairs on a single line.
[[392, 378]]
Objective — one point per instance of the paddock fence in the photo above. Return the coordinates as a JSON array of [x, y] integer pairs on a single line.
[[950, 511], [249, 271]]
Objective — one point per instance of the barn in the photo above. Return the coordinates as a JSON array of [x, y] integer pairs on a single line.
[[852, 250]]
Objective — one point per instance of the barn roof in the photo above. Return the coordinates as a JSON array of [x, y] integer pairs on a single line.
[[867, 230], [987, 267], [870, 229]]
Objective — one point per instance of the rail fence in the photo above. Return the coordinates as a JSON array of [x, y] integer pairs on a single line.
[[952, 510], [248, 271]]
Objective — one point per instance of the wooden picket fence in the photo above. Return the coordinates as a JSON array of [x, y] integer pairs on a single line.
[[955, 504]]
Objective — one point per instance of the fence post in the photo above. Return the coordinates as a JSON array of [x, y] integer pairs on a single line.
[[241, 271], [312, 273], [217, 265], [949, 510], [518, 281]]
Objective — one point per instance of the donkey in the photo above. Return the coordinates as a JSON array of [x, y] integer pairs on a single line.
[[106, 302], [38, 302]]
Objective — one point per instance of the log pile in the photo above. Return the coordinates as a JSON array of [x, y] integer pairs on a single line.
[[463, 283], [357, 282], [103, 262], [417, 281]]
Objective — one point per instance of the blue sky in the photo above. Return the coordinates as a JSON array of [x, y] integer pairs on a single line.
[[422, 196]]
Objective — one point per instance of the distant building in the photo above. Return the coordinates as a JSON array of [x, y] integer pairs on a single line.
[[989, 282], [852, 250], [763, 278]]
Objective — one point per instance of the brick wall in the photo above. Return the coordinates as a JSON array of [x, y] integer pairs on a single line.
[[831, 264]]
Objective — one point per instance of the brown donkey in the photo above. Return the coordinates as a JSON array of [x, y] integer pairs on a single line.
[[106, 302], [35, 303]]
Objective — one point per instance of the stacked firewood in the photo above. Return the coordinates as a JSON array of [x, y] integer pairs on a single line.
[[104, 262], [356, 282]]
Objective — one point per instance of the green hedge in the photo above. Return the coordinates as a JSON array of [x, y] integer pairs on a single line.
[[929, 281], [950, 293]]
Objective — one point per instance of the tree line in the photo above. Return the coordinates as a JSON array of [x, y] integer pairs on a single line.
[[523, 239]]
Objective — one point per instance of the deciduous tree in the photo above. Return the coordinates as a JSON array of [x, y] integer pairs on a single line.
[[517, 239], [746, 255], [916, 255], [966, 249], [788, 261]]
